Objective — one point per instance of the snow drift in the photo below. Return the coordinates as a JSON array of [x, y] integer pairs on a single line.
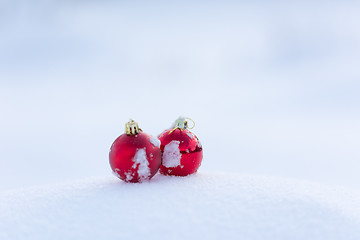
[[202, 206]]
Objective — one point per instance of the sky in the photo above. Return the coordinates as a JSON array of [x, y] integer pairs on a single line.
[[272, 86]]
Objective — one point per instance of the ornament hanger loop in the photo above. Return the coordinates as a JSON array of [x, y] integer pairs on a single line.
[[192, 122]]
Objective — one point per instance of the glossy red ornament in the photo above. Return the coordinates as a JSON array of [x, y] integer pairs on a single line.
[[181, 150], [135, 157]]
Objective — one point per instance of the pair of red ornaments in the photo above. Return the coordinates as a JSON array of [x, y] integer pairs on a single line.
[[136, 156]]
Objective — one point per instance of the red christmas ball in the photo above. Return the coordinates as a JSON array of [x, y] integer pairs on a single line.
[[181, 152], [135, 156]]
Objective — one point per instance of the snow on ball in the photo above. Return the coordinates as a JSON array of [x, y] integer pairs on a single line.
[[135, 158], [181, 152], [171, 155]]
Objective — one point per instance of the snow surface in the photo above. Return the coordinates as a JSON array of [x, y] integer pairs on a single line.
[[201, 206], [172, 155]]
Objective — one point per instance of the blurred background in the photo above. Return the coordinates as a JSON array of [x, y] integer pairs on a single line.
[[273, 86]]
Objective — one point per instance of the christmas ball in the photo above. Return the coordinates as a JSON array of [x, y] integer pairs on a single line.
[[135, 156], [181, 150]]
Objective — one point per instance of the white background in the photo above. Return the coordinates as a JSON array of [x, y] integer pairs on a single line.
[[273, 87]]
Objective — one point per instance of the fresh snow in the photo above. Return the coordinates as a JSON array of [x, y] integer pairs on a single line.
[[172, 155], [142, 163], [201, 206], [273, 89], [129, 176], [115, 172], [190, 135]]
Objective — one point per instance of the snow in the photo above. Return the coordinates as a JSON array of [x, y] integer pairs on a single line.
[[129, 175], [116, 172], [154, 141], [273, 89], [201, 206], [190, 135], [172, 155], [142, 163]]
